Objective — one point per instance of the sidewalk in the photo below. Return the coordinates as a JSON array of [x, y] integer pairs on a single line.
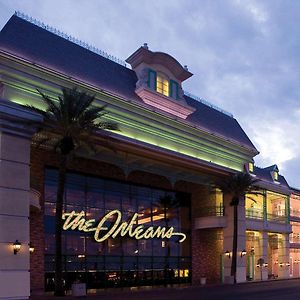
[[275, 289]]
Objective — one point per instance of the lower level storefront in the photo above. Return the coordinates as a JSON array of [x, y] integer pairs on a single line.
[[191, 209], [121, 261]]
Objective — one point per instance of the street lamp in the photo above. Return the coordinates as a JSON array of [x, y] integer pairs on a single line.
[[16, 246], [31, 248], [227, 254]]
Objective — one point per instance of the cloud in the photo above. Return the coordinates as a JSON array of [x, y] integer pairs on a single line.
[[244, 55]]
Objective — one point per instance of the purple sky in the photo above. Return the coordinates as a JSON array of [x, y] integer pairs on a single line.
[[244, 55]]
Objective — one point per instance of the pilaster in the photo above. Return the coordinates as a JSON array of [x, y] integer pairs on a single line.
[[15, 139]]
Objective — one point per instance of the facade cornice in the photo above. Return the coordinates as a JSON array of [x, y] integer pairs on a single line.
[[190, 131], [17, 120]]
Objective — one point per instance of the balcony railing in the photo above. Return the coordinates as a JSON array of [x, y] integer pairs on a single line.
[[212, 211], [295, 213], [277, 218], [295, 239], [255, 213]]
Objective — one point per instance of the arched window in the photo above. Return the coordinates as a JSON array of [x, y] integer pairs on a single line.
[[162, 84]]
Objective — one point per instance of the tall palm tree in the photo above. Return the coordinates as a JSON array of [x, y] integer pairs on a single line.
[[237, 186], [69, 124], [167, 204]]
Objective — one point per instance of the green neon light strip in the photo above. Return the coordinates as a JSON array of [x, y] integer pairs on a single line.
[[157, 133], [108, 95]]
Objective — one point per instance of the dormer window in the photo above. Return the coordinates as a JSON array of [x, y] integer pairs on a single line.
[[159, 79], [275, 174], [162, 84]]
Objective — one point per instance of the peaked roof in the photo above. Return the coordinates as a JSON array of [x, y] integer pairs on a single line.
[[272, 168], [31, 42], [265, 175]]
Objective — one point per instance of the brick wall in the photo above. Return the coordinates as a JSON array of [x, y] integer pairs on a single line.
[[207, 244]]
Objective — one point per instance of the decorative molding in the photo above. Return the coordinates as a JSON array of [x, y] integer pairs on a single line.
[[145, 56], [17, 120], [179, 109]]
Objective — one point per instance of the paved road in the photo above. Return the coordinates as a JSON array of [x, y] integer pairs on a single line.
[[273, 290]]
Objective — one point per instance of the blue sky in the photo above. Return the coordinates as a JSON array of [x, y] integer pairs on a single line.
[[244, 55]]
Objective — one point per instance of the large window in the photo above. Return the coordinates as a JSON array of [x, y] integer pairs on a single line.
[[162, 84], [120, 261]]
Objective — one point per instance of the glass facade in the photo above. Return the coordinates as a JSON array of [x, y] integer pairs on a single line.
[[122, 261]]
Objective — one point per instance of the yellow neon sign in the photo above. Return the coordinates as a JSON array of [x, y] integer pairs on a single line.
[[77, 221]]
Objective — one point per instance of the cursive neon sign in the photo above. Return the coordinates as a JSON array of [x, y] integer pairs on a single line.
[[77, 221]]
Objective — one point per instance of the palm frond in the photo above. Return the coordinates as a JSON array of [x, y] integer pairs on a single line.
[[72, 121]]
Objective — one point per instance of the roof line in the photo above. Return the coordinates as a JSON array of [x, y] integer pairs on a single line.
[[69, 38], [205, 102], [103, 54]]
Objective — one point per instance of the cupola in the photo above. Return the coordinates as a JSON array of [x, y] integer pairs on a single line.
[[160, 78]]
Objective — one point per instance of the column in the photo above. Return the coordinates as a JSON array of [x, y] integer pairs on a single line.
[[228, 239], [15, 138], [284, 257], [261, 273]]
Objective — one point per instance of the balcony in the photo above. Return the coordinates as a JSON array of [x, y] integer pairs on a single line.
[[276, 221], [295, 215], [295, 241], [215, 211], [211, 217], [278, 217], [254, 213]]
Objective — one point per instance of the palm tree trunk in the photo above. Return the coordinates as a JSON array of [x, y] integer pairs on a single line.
[[234, 242], [59, 287]]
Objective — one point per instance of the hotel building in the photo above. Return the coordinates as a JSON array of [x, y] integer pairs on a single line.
[[295, 235], [171, 145]]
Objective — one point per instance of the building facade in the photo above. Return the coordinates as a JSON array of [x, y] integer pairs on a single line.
[[171, 150], [295, 235]]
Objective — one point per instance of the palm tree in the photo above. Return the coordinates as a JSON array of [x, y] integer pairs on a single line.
[[237, 185], [168, 203], [69, 124]]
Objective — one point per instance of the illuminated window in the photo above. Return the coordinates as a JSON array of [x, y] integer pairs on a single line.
[[251, 167], [275, 175], [162, 84]]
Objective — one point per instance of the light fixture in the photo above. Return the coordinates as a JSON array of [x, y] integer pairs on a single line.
[[252, 250], [227, 254], [243, 253], [16, 246], [31, 248], [265, 265]]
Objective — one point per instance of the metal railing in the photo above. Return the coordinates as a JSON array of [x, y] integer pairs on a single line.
[[295, 213], [258, 214], [277, 218], [295, 238], [255, 213], [209, 211]]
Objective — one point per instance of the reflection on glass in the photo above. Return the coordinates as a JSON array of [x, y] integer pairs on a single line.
[[121, 261]]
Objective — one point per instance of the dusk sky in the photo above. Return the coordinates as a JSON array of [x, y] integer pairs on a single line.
[[245, 55]]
